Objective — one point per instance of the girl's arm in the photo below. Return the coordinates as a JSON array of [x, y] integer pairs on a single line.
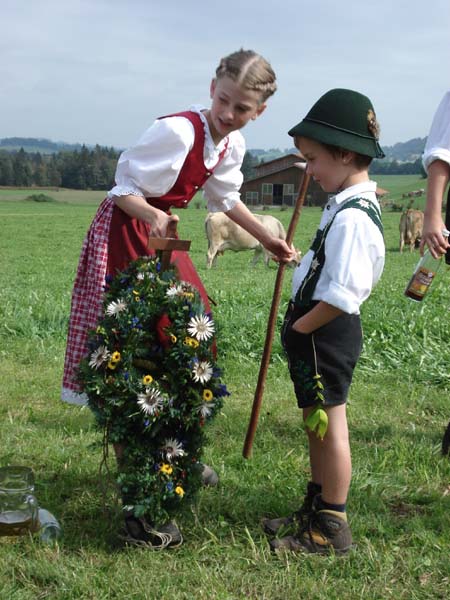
[[137, 208], [241, 215], [318, 316], [438, 177]]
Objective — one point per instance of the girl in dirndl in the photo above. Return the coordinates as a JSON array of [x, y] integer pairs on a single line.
[[174, 158]]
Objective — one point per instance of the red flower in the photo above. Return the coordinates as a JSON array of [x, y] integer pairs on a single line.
[[161, 325]]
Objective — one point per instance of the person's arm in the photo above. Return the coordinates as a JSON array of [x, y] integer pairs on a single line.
[[241, 215], [433, 226], [138, 208], [320, 315]]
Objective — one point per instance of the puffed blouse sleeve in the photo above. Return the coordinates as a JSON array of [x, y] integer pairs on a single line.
[[151, 167], [438, 142], [221, 190]]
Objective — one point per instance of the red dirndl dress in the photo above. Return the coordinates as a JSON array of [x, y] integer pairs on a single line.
[[113, 240]]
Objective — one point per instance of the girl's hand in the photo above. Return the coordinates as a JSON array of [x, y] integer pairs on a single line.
[[161, 222], [433, 237], [282, 251]]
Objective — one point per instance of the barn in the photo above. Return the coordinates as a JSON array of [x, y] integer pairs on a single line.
[[277, 182]]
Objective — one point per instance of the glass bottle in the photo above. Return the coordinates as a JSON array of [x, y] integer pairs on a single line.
[[49, 528], [18, 506], [423, 275]]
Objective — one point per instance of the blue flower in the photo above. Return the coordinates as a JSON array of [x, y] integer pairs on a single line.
[[169, 486], [222, 391]]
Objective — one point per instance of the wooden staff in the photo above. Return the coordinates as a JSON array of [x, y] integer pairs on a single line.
[[165, 246], [251, 430]]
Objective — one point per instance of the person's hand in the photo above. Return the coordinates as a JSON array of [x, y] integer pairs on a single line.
[[433, 237], [297, 326], [160, 222], [283, 253]]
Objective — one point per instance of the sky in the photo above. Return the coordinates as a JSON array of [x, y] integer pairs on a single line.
[[100, 71]]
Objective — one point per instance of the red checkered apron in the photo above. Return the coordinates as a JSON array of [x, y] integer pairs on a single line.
[[113, 240]]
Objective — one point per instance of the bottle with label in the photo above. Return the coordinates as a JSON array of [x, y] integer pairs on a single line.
[[49, 528], [423, 275]]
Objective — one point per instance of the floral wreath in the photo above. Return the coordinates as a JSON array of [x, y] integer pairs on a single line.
[[152, 383]]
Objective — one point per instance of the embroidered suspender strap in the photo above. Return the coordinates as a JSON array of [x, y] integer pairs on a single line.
[[306, 290]]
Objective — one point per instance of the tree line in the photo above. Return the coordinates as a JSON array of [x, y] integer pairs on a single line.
[[94, 169], [82, 169]]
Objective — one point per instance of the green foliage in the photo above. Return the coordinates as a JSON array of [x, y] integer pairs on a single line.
[[40, 198], [152, 384]]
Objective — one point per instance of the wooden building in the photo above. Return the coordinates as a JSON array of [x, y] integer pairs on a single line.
[[277, 183]]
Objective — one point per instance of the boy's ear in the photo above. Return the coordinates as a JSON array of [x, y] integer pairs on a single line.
[[347, 156], [259, 111], [212, 88]]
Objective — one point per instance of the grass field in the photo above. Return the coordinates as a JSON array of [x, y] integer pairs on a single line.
[[399, 503]]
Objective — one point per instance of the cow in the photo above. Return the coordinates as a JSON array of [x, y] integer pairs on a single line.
[[411, 225], [224, 234]]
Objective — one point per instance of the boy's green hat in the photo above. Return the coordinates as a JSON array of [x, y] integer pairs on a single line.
[[345, 119]]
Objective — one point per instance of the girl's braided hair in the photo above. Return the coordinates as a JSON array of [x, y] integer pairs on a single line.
[[250, 70]]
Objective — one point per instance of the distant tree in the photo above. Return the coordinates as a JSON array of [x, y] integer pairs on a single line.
[[6, 169], [248, 165]]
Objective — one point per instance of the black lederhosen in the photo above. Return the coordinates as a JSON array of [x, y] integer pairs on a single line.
[[331, 351]]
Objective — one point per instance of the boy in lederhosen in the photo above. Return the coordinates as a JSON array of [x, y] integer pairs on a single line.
[[322, 330]]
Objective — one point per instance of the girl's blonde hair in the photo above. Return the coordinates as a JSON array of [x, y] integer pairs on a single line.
[[250, 70]]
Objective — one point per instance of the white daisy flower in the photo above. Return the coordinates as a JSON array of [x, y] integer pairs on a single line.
[[364, 203], [205, 410], [151, 401], [114, 308], [202, 371], [174, 290], [140, 276], [201, 327], [99, 356], [172, 449]]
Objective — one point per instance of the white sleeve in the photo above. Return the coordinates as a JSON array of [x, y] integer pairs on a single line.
[[354, 251], [222, 189], [438, 141], [151, 167]]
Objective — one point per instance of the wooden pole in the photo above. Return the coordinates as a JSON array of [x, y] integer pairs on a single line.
[[165, 246], [271, 323]]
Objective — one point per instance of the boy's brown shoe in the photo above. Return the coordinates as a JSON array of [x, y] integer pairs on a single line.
[[296, 520], [326, 531]]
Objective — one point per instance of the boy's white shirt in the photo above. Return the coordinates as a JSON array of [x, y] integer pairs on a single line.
[[354, 252], [151, 167], [438, 141]]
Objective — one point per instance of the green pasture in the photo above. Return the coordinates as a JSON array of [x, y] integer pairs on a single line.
[[399, 503]]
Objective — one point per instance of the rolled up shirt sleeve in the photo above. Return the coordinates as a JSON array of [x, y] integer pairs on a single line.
[[438, 141], [352, 265], [221, 190], [151, 167]]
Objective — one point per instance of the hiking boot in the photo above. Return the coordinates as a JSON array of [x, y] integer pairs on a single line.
[[326, 531], [209, 477], [138, 532], [296, 520]]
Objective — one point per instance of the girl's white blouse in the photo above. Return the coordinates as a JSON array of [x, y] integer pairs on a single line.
[[438, 142], [151, 167]]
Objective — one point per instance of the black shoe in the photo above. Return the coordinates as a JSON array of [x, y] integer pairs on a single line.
[[138, 532], [296, 520]]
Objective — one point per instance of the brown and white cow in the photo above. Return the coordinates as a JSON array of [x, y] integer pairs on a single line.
[[411, 225], [224, 234]]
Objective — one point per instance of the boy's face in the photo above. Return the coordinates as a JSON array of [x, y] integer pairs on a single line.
[[232, 107], [332, 173]]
